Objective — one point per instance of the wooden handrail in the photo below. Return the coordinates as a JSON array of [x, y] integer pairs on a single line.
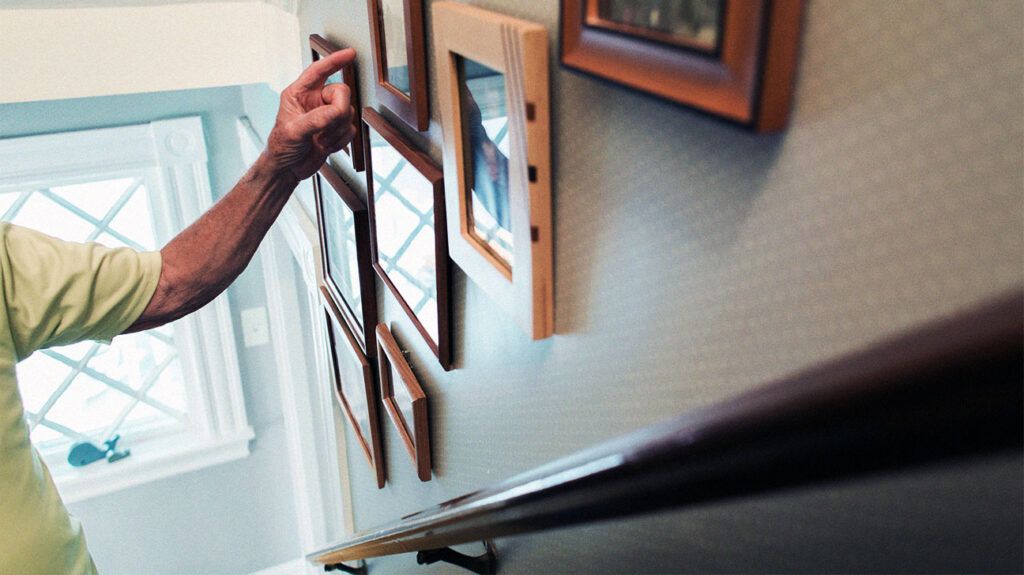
[[950, 389]]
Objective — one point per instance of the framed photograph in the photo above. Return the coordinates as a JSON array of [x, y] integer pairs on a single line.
[[409, 247], [322, 47], [399, 55], [343, 224], [404, 400], [735, 59], [493, 89], [353, 387]]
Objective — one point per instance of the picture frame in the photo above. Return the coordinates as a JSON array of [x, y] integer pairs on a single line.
[[401, 89], [408, 241], [739, 67], [494, 102], [348, 75], [343, 227], [405, 401], [354, 387]]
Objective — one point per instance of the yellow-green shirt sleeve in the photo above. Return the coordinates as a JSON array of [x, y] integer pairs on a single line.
[[60, 292]]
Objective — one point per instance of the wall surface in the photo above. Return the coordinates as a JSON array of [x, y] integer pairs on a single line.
[[231, 518], [695, 261]]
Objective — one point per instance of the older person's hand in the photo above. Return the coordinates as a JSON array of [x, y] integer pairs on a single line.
[[198, 264], [314, 120]]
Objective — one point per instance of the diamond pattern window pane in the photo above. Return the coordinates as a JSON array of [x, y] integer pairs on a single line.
[[111, 241], [134, 221], [89, 390], [131, 358], [43, 436], [418, 259], [94, 198], [88, 405], [6, 202], [47, 374], [43, 214], [168, 389]]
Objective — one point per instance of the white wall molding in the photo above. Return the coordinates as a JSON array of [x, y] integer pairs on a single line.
[[316, 446], [60, 53]]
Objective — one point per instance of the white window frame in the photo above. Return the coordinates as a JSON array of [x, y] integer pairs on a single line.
[[313, 424], [171, 155]]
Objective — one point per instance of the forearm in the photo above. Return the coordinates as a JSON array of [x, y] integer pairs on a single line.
[[201, 261]]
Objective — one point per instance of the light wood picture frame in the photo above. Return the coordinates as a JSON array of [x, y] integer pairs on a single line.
[[348, 75], [493, 90], [400, 59], [408, 241], [354, 387], [343, 225], [405, 401], [741, 70]]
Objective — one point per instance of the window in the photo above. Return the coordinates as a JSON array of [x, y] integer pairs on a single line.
[[90, 391], [173, 394]]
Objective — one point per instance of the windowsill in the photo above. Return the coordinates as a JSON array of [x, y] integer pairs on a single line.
[[150, 462]]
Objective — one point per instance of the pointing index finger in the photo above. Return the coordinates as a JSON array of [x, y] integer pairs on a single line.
[[317, 73]]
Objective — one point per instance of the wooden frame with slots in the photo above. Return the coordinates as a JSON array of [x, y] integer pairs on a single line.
[[519, 50], [319, 47], [415, 434], [369, 440]]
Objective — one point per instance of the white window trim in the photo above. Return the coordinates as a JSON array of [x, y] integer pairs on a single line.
[[172, 154], [313, 426]]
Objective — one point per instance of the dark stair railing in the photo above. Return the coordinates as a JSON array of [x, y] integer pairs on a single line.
[[950, 389]]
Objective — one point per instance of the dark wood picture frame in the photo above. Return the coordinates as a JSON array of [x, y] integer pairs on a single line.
[[747, 80], [319, 47], [415, 434], [432, 173], [371, 446], [413, 108], [362, 327], [592, 18]]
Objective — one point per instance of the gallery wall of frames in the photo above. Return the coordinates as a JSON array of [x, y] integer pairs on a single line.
[[487, 206], [716, 217]]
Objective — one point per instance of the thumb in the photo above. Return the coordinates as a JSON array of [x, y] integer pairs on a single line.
[[320, 119]]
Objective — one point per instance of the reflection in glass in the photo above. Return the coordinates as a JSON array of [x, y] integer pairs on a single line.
[[486, 144], [404, 219], [688, 22], [350, 382], [342, 265], [392, 28]]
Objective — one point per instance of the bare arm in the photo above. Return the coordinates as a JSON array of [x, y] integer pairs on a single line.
[[200, 262]]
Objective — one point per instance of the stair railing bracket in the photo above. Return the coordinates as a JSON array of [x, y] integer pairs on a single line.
[[361, 570], [485, 564]]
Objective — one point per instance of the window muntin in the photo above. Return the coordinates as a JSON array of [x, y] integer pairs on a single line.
[[91, 391]]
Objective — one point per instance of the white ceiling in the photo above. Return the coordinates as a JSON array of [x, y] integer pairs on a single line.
[[101, 50]]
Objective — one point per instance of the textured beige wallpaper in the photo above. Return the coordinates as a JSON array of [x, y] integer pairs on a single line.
[[695, 260]]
